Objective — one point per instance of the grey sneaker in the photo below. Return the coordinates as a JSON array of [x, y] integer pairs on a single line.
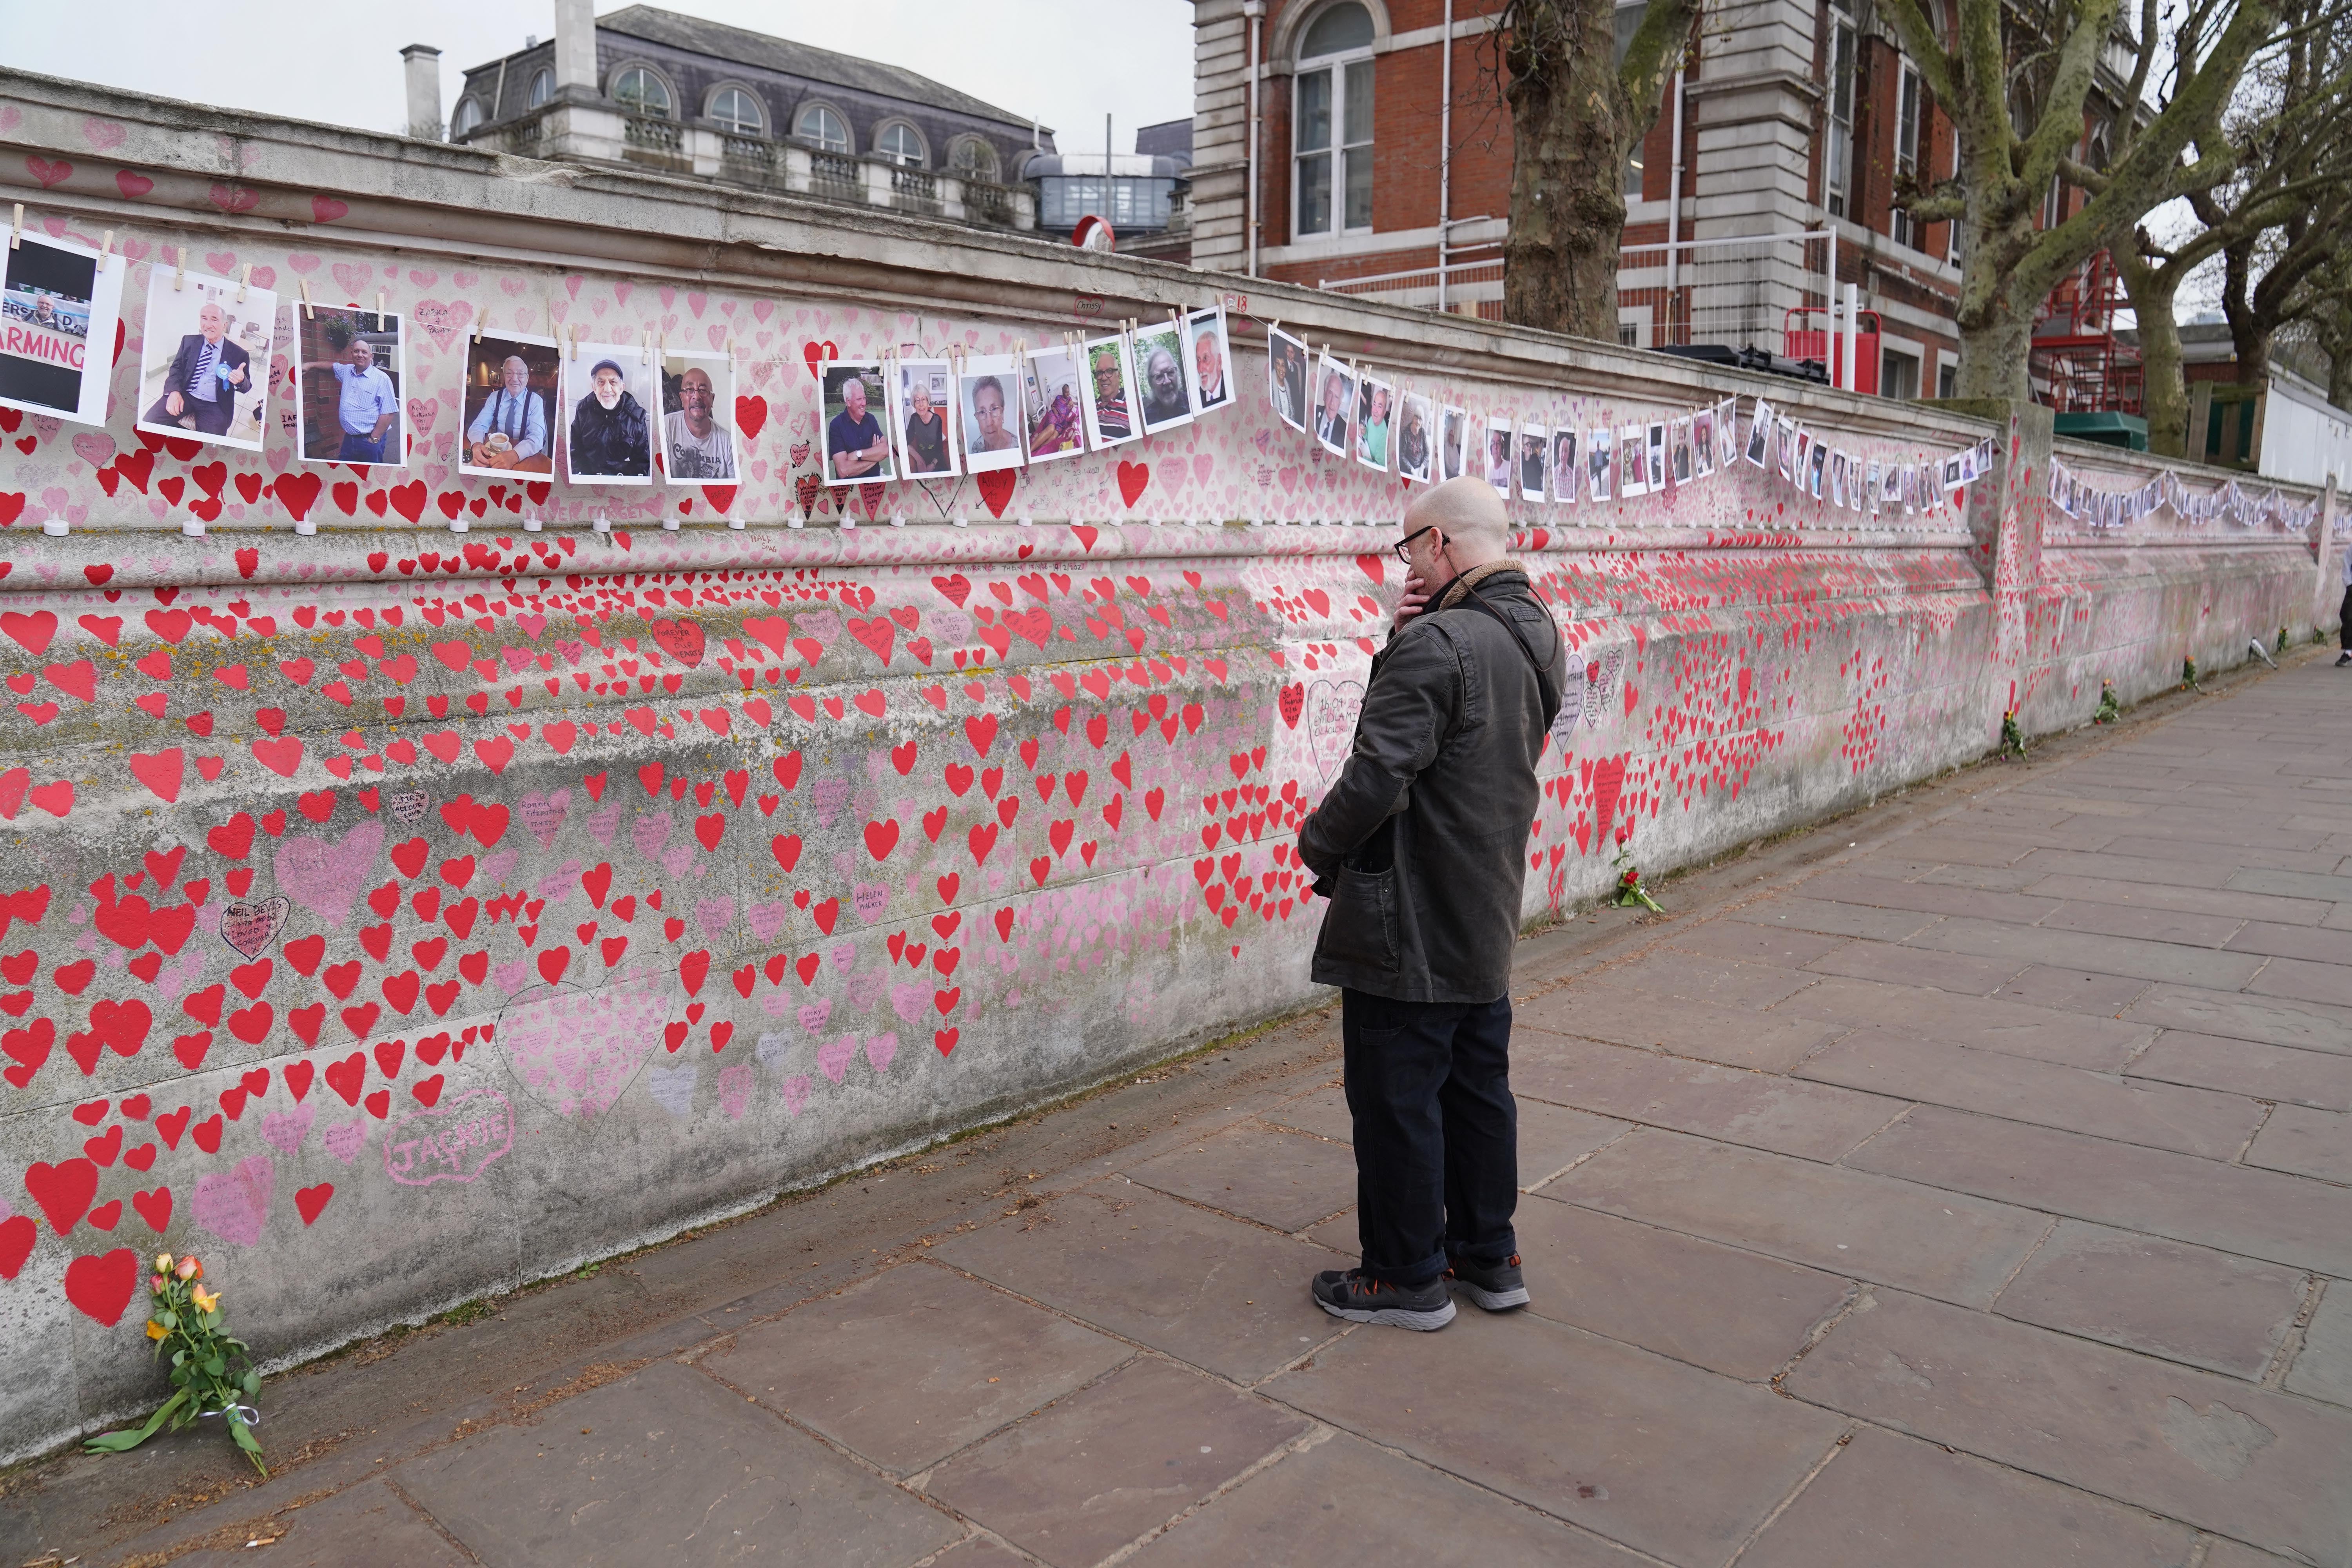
[[1353, 1295], [2343, 658], [1498, 1287]]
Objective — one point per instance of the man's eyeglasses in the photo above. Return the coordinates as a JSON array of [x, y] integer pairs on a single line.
[[1403, 547]]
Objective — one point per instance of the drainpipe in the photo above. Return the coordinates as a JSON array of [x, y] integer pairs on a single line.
[[1444, 149], [1256, 11], [1675, 201]]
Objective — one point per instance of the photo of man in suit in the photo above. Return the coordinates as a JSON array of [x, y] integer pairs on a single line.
[[208, 372]]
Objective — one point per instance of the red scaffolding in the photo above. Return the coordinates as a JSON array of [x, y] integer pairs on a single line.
[[2078, 367]]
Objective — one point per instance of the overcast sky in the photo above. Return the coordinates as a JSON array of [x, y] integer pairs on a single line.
[[1067, 62]]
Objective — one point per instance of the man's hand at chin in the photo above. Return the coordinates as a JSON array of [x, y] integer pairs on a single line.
[[1415, 598]]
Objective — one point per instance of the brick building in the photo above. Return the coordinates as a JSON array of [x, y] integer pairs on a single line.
[[1382, 156]]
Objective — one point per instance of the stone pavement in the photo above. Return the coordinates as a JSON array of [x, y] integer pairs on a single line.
[[1969, 1182]]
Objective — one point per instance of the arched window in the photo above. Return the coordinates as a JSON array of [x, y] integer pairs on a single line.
[[1332, 123], [643, 91], [543, 86], [732, 108], [901, 143], [822, 126], [468, 117], [974, 159]]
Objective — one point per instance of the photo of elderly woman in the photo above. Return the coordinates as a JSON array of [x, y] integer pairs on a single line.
[[925, 435], [990, 393], [610, 391], [1415, 444], [1373, 419]]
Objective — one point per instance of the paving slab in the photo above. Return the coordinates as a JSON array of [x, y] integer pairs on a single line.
[[1622, 1018], [2261, 1466], [1090, 1473], [2072, 990], [2220, 1554], [2189, 1304], [2314, 1026], [2257, 1214], [1887, 1498], [2160, 1115], [1645, 1451], [1829, 918], [1720, 982], [2117, 955], [2323, 1367], [1871, 884], [2305, 980], [1717, 1306], [666, 1465], [2307, 1142], [909, 1366], [2293, 941], [1324, 1113], [1967, 843], [2074, 863], [1814, 1122], [2293, 884], [2148, 925], [1551, 1137], [1851, 1222], [1286, 1180], [980, 1551], [1214, 1291], [2013, 1028], [2248, 1067], [1351, 1505], [367, 1523], [1917, 965], [2216, 903], [1752, 944]]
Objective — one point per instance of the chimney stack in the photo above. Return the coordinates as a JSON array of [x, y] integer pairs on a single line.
[[423, 62], [575, 46]]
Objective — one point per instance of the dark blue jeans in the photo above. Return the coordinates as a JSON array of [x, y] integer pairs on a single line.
[[358, 450], [1436, 1130]]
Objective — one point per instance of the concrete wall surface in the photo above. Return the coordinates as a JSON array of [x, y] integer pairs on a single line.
[[392, 915]]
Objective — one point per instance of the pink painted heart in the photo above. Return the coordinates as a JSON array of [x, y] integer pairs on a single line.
[[326, 878], [812, 1014], [104, 135], [345, 1140], [879, 1049], [795, 1091], [577, 1050], [834, 1056], [47, 174], [94, 447], [233, 1205], [544, 815], [735, 1089], [443, 321], [285, 1130], [355, 278]]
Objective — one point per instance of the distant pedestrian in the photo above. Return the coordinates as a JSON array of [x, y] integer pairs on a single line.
[[1421, 848], [2344, 615]]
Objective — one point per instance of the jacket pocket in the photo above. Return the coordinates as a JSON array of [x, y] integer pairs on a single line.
[[1360, 927]]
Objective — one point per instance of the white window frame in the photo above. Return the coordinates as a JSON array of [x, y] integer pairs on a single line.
[[758, 126], [1911, 123], [668, 110], [1837, 124], [991, 166], [807, 106], [459, 125], [542, 88], [922, 159], [1342, 147]]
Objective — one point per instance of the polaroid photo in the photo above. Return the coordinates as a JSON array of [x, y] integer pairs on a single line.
[[1654, 442], [1968, 465], [697, 444], [1375, 422], [1702, 442], [987, 393], [1784, 448], [1286, 377], [1416, 441], [1632, 463], [508, 406], [1109, 394], [1167, 385], [1210, 360], [1905, 478], [1853, 483], [1678, 447], [350, 370], [610, 391], [1535, 462], [1952, 480], [853, 404], [1599, 464], [1805, 455], [1818, 475], [1837, 480], [1335, 405], [1052, 411], [205, 365], [1727, 432], [1563, 467], [1453, 442], [59, 309], [1873, 477], [1498, 456], [922, 417], [1760, 433]]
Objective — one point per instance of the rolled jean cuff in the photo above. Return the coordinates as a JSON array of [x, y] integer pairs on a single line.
[[1413, 1278]]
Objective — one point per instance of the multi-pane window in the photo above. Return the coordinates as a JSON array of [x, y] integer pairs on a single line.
[[1910, 110], [643, 91], [974, 159], [901, 143], [543, 86], [469, 116], [732, 108], [1628, 22], [1332, 123], [823, 128], [1837, 151]]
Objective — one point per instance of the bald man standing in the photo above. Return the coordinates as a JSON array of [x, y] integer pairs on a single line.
[[1421, 848]]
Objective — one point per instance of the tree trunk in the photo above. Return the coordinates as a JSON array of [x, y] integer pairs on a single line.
[[2250, 336], [2152, 287], [1570, 141], [1995, 349]]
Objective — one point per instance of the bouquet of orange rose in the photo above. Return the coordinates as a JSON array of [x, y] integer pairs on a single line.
[[212, 1372]]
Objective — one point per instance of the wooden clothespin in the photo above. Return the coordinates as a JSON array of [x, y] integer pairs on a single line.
[[379, 310], [244, 279], [180, 268], [16, 227], [477, 326], [309, 312], [106, 250], [645, 345], [572, 333]]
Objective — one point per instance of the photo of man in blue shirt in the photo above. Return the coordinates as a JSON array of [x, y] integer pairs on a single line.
[[356, 347]]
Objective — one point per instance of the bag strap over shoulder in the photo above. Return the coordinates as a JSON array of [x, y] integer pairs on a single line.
[[1551, 695]]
